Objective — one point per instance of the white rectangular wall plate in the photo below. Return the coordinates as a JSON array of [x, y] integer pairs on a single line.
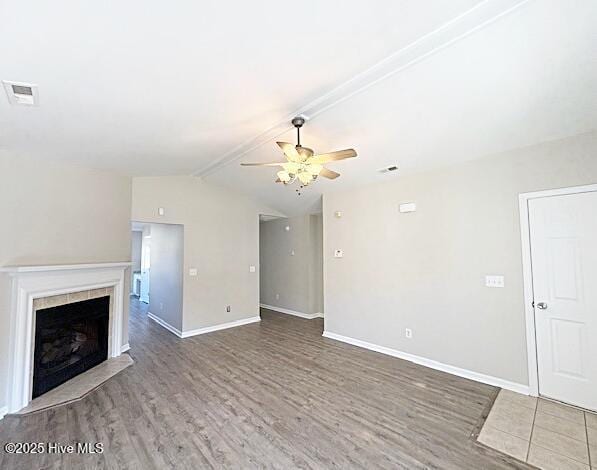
[[161, 211], [338, 254], [251, 269], [408, 207], [21, 94], [494, 281], [192, 271]]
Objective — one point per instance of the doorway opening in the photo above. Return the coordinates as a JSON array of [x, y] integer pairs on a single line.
[[291, 265], [157, 271]]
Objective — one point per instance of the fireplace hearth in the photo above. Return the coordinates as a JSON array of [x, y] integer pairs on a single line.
[[69, 339]]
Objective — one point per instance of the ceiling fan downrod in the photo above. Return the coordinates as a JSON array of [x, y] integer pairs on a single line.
[[298, 122]]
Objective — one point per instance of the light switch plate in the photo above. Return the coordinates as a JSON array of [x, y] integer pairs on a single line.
[[251, 269], [494, 281], [161, 211], [193, 272], [338, 254]]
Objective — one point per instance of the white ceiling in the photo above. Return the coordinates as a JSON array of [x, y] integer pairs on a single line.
[[152, 88]]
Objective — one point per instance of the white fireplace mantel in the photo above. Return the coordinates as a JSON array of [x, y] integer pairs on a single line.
[[33, 282], [61, 267]]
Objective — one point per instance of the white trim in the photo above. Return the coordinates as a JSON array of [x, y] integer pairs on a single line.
[[3, 412], [527, 273], [472, 20], [63, 267], [206, 329], [221, 326], [125, 348], [165, 324], [308, 316], [34, 282], [467, 374]]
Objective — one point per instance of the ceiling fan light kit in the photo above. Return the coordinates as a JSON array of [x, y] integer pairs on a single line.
[[302, 164]]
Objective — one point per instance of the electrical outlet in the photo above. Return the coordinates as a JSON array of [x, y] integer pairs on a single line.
[[408, 333], [228, 308], [277, 296]]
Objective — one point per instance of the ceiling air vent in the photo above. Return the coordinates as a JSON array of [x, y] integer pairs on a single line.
[[21, 94], [388, 169]]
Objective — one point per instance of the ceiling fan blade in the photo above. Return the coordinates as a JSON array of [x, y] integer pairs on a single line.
[[264, 164], [332, 156], [290, 151], [329, 174]]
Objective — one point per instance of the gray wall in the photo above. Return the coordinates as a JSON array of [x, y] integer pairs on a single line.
[[316, 267], [58, 214], [221, 240], [296, 279], [425, 270], [166, 273]]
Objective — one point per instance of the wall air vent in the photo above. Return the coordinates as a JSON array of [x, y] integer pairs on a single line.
[[21, 94], [388, 169]]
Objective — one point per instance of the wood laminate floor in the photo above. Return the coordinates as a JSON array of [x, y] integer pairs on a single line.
[[273, 394]]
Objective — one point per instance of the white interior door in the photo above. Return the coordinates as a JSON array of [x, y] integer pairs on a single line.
[[563, 231]]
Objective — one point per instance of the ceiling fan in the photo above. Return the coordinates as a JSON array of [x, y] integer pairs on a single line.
[[302, 164]]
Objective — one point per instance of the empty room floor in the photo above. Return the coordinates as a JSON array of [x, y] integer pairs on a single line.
[[273, 394]]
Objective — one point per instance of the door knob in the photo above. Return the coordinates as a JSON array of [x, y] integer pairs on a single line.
[[542, 305]]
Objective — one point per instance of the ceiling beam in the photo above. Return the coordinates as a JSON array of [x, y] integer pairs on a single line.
[[467, 23]]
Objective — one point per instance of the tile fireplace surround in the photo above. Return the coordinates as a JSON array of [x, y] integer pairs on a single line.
[[35, 287]]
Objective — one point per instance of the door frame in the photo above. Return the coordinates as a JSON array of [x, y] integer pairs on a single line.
[[527, 273]]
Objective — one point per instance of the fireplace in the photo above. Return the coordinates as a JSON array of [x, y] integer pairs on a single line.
[[36, 288], [69, 339]]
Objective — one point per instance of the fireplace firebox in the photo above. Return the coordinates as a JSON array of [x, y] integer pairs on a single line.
[[69, 339]]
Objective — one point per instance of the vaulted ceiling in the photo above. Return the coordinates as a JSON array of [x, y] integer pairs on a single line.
[[159, 88]]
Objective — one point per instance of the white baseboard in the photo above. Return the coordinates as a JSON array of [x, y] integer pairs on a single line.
[[3, 411], [308, 316], [165, 324], [467, 374], [206, 329], [125, 348], [221, 326]]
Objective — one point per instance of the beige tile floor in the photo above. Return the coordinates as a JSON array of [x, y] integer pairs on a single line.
[[543, 433]]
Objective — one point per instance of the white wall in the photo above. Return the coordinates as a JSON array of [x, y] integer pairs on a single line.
[[166, 273], [425, 270], [221, 240], [58, 214], [136, 240], [298, 279]]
